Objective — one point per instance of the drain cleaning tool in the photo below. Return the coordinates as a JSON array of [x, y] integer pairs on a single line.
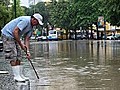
[[32, 65]]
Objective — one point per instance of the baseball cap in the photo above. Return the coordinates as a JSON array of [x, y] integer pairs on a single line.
[[38, 17]]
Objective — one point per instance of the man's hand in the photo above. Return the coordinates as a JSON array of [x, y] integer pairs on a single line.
[[28, 55]]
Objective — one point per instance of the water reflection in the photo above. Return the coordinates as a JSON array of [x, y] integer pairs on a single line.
[[77, 65]]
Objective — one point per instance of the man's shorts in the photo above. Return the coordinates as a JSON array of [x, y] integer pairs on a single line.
[[11, 48]]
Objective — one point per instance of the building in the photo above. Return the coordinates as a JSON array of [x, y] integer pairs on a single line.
[[33, 2]]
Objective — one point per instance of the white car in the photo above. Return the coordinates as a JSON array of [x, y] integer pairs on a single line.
[[32, 38], [111, 37], [41, 38]]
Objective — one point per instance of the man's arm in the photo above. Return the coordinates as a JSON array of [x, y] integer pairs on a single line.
[[17, 38], [27, 42]]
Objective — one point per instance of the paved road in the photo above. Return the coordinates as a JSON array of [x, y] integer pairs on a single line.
[[69, 65], [6, 80]]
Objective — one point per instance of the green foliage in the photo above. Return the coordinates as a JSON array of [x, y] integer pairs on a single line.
[[7, 12], [112, 8], [19, 10], [4, 14], [59, 14], [73, 14], [38, 8], [68, 14], [76, 13]]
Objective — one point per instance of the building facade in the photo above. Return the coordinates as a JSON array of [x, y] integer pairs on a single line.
[[33, 2]]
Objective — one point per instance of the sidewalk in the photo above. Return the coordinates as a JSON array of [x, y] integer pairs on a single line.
[[6, 80]]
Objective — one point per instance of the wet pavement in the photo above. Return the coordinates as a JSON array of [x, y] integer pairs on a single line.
[[69, 65]]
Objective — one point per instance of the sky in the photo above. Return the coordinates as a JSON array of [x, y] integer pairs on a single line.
[[24, 3]]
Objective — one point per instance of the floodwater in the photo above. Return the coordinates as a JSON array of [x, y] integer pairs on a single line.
[[75, 65]]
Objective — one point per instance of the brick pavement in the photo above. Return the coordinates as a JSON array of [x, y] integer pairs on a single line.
[[6, 80]]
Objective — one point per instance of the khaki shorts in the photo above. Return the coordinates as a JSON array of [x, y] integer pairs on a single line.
[[11, 48]]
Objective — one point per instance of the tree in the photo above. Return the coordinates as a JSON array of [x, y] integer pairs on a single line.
[[112, 9], [19, 10], [4, 12], [38, 8], [7, 11], [71, 15]]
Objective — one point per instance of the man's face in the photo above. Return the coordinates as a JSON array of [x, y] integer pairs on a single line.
[[35, 22]]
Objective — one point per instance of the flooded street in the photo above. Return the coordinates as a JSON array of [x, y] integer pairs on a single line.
[[73, 65], [76, 65]]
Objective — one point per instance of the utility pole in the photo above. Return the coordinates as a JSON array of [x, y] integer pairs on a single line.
[[105, 29], [14, 8], [34, 6]]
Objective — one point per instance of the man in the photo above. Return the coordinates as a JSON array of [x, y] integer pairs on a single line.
[[11, 33]]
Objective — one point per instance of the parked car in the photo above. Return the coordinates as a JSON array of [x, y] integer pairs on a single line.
[[111, 37], [117, 36], [78, 36], [32, 37], [42, 38]]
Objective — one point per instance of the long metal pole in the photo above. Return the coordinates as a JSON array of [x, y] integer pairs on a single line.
[[105, 29], [33, 68], [32, 65], [14, 8], [34, 6]]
